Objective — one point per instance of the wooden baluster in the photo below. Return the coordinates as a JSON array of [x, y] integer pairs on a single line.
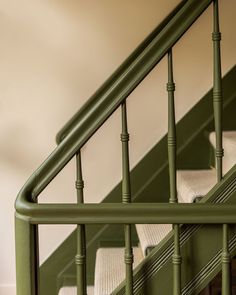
[[217, 91], [226, 263], [219, 152], [172, 173], [176, 261], [171, 131], [126, 198], [81, 236]]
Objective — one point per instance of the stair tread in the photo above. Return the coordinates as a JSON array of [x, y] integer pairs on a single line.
[[73, 290], [110, 268], [194, 183], [229, 144], [151, 235]]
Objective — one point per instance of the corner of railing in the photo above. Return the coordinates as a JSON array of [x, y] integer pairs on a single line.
[[25, 199], [26, 242], [60, 136]]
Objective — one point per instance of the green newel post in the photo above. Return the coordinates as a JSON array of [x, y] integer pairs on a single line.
[[26, 236]]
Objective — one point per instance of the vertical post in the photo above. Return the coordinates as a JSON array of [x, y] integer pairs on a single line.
[[27, 266], [226, 265], [176, 261], [126, 198], [80, 258], [172, 173], [171, 130], [217, 90], [219, 152]]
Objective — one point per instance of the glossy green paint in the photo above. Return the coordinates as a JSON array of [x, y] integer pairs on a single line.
[[150, 183]]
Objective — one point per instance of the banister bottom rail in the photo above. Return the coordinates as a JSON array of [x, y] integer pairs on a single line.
[[136, 213]]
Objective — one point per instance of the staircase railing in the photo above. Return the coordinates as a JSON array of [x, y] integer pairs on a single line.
[[29, 214]]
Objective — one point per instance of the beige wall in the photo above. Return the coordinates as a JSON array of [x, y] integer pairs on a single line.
[[53, 56]]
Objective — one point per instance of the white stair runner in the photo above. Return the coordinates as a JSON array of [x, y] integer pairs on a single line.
[[192, 184], [150, 235], [110, 268], [73, 291]]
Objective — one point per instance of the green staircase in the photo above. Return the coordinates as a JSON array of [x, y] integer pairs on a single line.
[[59, 269], [203, 235]]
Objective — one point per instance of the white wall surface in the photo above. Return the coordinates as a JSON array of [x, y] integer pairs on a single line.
[[53, 56]]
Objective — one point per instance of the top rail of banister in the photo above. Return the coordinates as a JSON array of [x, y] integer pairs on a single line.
[[99, 108], [81, 114]]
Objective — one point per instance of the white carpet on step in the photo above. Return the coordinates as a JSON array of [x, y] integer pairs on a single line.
[[150, 235], [190, 185], [194, 183], [73, 291], [110, 268]]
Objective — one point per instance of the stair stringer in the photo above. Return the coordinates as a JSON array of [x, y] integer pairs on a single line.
[[200, 264]]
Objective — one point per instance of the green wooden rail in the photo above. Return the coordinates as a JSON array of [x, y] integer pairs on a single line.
[[29, 214], [135, 213]]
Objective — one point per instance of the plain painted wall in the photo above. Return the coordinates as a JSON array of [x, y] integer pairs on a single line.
[[53, 56]]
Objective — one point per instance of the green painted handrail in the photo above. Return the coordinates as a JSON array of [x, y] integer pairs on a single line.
[[83, 112], [109, 101], [136, 213], [111, 213]]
